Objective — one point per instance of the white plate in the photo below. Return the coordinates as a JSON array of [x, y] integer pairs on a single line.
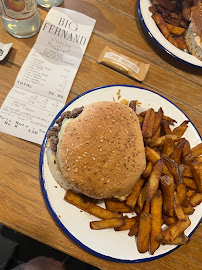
[[108, 244], [154, 32]]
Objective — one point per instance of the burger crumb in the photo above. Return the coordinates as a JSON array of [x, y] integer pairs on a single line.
[[118, 92], [139, 103]]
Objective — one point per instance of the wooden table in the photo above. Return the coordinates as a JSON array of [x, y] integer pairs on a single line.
[[118, 26]]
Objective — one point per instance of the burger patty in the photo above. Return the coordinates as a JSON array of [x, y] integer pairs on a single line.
[[52, 134]]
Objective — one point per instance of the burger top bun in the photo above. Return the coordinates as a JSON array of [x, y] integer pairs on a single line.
[[101, 153]]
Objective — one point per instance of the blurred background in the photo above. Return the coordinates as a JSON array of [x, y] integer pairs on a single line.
[[16, 248]]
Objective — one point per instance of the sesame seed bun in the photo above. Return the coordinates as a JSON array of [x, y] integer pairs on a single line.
[[192, 46], [193, 35], [101, 152]]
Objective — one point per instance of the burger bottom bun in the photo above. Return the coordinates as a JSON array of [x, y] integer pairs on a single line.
[[55, 169]]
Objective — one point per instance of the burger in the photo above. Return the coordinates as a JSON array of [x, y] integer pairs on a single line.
[[193, 35], [97, 150]]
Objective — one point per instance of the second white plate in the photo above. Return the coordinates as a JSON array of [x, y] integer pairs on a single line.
[[154, 32]]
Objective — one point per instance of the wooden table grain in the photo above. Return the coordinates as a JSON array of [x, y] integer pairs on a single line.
[[118, 26]]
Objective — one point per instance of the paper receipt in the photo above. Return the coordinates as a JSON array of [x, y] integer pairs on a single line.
[[45, 79]]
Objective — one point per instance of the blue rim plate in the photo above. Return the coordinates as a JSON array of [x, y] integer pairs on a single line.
[[108, 244], [156, 35]]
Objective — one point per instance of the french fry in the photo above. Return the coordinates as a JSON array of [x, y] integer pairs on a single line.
[[173, 168], [132, 198], [166, 127], [167, 4], [169, 220], [173, 41], [141, 119], [198, 159], [186, 148], [176, 155], [181, 42], [176, 21], [196, 199], [137, 209], [156, 212], [197, 173], [173, 231], [148, 170], [157, 133], [134, 229], [190, 193], [160, 141], [182, 239], [197, 150], [161, 24], [153, 182], [157, 121], [190, 183], [189, 210], [186, 202], [106, 223], [146, 207], [181, 192], [129, 222], [144, 231], [176, 30], [89, 207], [117, 206], [180, 130], [187, 172], [168, 188], [188, 157], [148, 123], [153, 8], [168, 146], [153, 156], [181, 169], [142, 197], [177, 208], [142, 114]]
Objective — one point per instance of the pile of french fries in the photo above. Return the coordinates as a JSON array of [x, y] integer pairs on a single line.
[[166, 193], [172, 19]]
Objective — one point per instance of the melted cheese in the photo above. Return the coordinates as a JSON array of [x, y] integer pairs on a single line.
[[65, 122]]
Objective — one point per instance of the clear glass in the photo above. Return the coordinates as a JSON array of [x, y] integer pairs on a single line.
[[49, 3], [22, 28]]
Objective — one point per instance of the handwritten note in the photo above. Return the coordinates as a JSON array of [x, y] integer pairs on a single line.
[[45, 79]]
